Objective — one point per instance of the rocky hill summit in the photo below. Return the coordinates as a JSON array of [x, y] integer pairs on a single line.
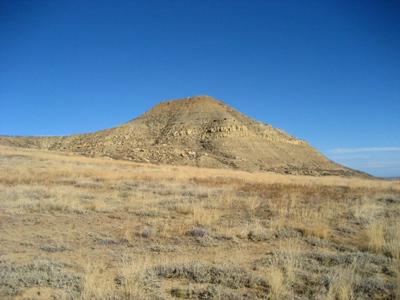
[[197, 131]]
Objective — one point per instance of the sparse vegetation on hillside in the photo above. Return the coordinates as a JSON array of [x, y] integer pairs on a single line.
[[88, 228]]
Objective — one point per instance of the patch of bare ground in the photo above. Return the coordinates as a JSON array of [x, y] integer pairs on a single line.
[[86, 228]]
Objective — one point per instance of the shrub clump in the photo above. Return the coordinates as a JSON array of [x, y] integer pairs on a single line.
[[197, 232], [14, 278], [230, 276]]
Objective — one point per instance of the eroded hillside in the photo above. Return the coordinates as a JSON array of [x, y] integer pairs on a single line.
[[196, 131]]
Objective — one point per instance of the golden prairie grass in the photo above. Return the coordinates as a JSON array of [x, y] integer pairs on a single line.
[[384, 238], [314, 224], [376, 236], [342, 282], [367, 209], [137, 231], [392, 239], [275, 278]]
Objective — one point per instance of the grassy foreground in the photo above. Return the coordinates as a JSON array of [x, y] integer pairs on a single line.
[[91, 228]]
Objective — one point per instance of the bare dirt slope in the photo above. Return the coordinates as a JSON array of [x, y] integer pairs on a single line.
[[197, 131]]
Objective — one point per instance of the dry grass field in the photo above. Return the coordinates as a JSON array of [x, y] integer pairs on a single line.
[[90, 228]]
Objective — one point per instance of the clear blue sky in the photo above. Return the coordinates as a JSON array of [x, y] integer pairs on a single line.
[[325, 71]]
